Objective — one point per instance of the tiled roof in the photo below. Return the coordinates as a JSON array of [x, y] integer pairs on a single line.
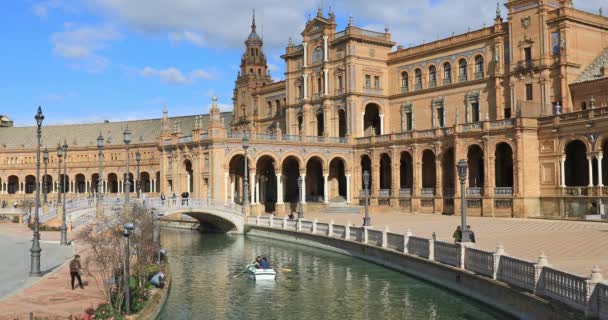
[[85, 135], [593, 71]]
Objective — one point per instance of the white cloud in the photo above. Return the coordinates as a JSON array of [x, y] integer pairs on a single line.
[[82, 44], [43, 8], [175, 76], [187, 36]]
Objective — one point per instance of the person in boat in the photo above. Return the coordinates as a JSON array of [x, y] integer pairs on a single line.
[[258, 262], [265, 264]]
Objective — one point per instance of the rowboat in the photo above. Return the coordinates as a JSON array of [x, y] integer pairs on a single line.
[[261, 274]]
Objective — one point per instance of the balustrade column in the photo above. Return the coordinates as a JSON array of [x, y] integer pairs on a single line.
[[303, 195], [279, 188], [562, 165], [305, 85], [590, 160], [325, 191], [600, 183], [325, 82], [347, 188], [381, 123]]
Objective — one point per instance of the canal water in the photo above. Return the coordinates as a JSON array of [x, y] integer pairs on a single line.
[[208, 283]]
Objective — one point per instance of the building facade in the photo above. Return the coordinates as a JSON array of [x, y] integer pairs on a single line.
[[523, 101]]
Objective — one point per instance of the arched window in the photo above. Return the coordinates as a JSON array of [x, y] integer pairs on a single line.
[[418, 79], [250, 70], [462, 70], [317, 54], [447, 73], [404, 81], [432, 77], [479, 67]]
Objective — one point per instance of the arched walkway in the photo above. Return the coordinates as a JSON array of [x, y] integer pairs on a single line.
[[13, 185], [406, 173], [337, 180], [64, 183], [112, 183], [131, 183], [314, 180], [144, 183], [30, 184], [476, 170], [576, 165], [371, 120], [236, 169], [266, 183], [385, 174], [95, 182], [503, 167], [429, 172], [81, 184], [47, 184]]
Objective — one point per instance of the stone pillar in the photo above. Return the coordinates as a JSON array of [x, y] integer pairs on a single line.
[[325, 187], [347, 188], [362, 124], [251, 185], [279, 188], [305, 84], [257, 190], [305, 64], [600, 157], [562, 165], [381, 123], [590, 160], [325, 82], [232, 188], [303, 195], [120, 186], [325, 48]]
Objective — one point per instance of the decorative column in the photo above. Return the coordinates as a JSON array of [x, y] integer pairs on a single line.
[[590, 160], [305, 86], [325, 191], [381, 123], [363, 124], [325, 48], [347, 188], [120, 188], [257, 188], [303, 195], [562, 165], [325, 81], [232, 178], [279, 188], [226, 175], [599, 157], [251, 185], [305, 62]]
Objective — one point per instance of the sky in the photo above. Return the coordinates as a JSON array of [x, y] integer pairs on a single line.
[[94, 60]]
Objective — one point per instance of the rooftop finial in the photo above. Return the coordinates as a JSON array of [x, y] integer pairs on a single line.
[[253, 22], [319, 11], [498, 10], [350, 21], [290, 42]]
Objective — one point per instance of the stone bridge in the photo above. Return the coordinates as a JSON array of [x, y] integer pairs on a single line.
[[212, 214]]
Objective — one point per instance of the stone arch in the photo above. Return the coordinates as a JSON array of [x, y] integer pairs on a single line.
[[236, 170], [80, 183], [314, 179], [476, 170], [429, 173], [386, 171], [112, 183], [337, 179], [213, 220], [294, 155], [341, 157], [406, 171], [144, 182], [371, 120], [266, 182], [264, 154], [30, 184], [238, 153], [316, 155], [576, 165], [432, 69], [290, 169], [564, 143], [12, 184], [463, 68]]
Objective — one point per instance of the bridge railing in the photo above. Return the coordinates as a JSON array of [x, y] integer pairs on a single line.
[[192, 203]]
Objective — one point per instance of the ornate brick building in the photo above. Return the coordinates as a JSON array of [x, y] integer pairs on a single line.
[[523, 101]]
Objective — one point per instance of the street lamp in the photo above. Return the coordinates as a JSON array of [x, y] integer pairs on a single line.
[[245, 175], [367, 221], [462, 175], [300, 209], [127, 232], [127, 184], [138, 182], [100, 157], [45, 157], [35, 249], [64, 228]]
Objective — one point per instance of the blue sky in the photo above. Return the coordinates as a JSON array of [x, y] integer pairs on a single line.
[[91, 60]]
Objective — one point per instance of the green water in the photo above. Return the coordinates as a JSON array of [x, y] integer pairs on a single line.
[[208, 284]]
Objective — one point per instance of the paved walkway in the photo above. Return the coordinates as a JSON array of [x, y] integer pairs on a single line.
[[573, 246], [50, 296]]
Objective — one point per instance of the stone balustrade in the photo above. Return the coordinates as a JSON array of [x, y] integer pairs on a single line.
[[588, 295]]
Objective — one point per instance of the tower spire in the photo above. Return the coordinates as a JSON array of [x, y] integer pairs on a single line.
[[253, 22]]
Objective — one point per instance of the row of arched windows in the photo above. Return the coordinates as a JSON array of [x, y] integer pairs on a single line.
[[447, 74]]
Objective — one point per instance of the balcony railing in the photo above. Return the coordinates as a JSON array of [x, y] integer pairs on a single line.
[[406, 192], [475, 191], [384, 192], [316, 96], [427, 192], [432, 84], [462, 78], [503, 191], [472, 126], [526, 64], [370, 90], [291, 138], [185, 139], [479, 75], [405, 89], [447, 81], [417, 86]]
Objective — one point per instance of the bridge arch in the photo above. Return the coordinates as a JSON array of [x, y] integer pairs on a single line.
[[211, 220]]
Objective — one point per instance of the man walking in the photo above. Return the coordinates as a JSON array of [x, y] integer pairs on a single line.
[[75, 270]]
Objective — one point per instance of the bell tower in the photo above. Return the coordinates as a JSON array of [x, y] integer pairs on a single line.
[[253, 74]]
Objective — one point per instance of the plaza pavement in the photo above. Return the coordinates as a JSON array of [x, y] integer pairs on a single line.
[[573, 246], [50, 296]]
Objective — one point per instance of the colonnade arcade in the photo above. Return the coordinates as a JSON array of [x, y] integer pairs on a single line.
[[79, 183], [582, 166], [273, 181]]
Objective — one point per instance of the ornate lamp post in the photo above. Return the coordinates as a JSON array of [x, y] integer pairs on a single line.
[[45, 157], [127, 184], [64, 228], [367, 221], [300, 209], [245, 175], [99, 178], [127, 232], [138, 182], [462, 175], [59, 180], [35, 249]]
